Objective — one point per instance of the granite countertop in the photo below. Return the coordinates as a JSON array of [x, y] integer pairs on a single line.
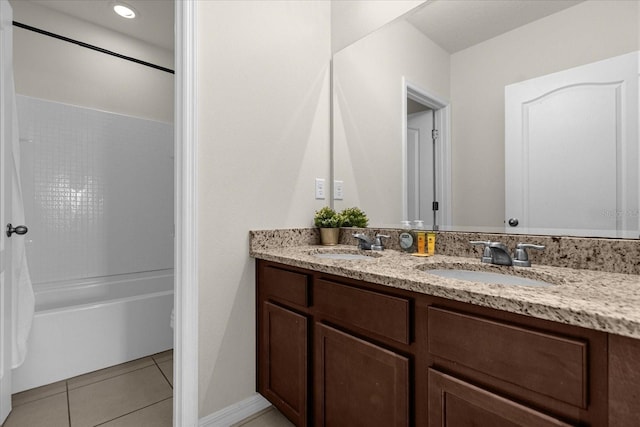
[[608, 302]]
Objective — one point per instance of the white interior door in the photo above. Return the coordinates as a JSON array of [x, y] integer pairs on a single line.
[[413, 173], [5, 208], [420, 166], [571, 151]]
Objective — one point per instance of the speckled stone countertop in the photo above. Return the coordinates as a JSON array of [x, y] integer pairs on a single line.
[[604, 301]]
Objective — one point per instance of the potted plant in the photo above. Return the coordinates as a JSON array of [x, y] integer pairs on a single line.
[[329, 222], [354, 217]]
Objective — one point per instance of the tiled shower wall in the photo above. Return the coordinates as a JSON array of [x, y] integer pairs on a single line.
[[97, 189]]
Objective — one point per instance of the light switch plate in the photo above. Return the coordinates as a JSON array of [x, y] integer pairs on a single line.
[[338, 190], [320, 190]]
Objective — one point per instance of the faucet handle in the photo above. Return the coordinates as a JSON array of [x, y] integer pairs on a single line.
[[378, 245], [486, 253], [521, 257]]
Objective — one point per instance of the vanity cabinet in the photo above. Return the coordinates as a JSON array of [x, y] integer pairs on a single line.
[[334, 351]]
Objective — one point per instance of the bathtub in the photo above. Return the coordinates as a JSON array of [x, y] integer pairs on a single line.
[[90, 324]]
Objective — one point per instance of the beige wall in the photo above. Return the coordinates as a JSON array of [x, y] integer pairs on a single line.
[[60, 71], [353, 19], [585, 33], [368, 114], [263, 136]]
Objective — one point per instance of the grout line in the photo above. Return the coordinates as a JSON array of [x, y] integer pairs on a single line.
[[129, 413], [111, 377], [66, 384], [33, 400], [162, 372], [165, 357]]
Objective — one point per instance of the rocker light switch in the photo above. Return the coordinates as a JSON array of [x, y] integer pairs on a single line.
[[320, 188], [338, 190]]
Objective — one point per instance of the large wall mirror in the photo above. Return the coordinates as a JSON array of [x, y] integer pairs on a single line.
[[518, 116]]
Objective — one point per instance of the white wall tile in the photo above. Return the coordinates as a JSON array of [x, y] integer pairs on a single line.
[[98, 191]]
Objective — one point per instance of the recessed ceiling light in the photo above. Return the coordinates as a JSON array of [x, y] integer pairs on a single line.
[[124, 10]]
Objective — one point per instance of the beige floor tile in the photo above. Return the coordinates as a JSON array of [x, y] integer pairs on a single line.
[[38, 393], [108, 399], [157, 415], [270, 418], [109, 372], [167, 369], [48, 412], [164, 356]]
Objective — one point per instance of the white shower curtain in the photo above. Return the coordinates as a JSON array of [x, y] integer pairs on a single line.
[[23, 297]]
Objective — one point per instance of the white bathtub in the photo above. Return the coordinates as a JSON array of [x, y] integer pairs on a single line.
[[91, 324]]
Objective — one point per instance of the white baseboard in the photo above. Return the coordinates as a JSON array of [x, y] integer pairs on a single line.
[[235, 413]]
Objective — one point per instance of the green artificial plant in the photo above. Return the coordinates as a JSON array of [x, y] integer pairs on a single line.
[[354, 217], [328, 218]]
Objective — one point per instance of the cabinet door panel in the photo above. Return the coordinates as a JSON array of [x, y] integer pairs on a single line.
[[359, 383], [283, 364], [624, 381], [455, 403]]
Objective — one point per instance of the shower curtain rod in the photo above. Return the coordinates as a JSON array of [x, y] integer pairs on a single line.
[[92, 47]]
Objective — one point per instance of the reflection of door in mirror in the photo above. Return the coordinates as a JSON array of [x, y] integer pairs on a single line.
[[571, 151], [426, 176], [421, 175]]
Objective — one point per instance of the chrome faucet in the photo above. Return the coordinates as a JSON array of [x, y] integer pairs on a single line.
[[364, 243], [494, 252], [498, 253]]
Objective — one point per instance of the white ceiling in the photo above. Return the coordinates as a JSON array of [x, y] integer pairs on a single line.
[[457, 24], [452, 24], [154, 23]]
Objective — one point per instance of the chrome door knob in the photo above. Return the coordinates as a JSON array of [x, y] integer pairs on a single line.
[[20, 230], [513, 222]]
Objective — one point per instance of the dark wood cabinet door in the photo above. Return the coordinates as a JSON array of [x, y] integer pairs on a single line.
[[455, 403], [283, 361], [359, 383], [624, 381]]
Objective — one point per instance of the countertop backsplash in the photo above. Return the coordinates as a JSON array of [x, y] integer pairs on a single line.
[[599, 254]]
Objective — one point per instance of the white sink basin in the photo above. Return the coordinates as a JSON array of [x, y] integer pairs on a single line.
[[487, 277], [342, 256]]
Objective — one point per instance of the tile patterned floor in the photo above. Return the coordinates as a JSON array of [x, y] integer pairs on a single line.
[[134, 394]]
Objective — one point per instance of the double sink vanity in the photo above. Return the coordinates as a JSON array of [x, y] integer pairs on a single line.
[[381, 338]]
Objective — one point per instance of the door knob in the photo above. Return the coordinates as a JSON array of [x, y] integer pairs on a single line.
[[20, 230], [513, 222]]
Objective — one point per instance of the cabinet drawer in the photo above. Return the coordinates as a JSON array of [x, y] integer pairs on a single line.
[[286, 285], [371, 311], [548, 364]]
